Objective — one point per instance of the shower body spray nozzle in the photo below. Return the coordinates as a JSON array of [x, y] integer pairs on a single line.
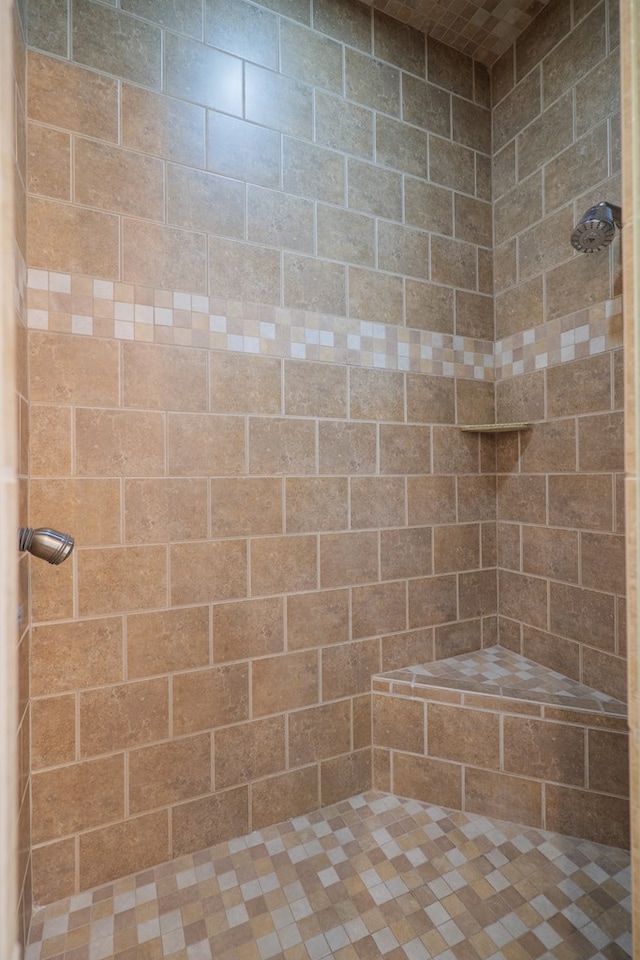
[[597, 227], [49, 545]]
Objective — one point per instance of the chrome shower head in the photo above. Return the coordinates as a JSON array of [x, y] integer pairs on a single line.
[[597, 227], [47, 544]]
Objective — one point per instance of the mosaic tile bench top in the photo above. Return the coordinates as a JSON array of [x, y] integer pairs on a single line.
[[374, 876], [499, 672]]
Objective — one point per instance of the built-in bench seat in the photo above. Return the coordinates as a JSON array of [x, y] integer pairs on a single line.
[[495, 733]]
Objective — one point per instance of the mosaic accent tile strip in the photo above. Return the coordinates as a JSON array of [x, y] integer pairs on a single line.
[[498, 672], [105, 308], [373, 876]]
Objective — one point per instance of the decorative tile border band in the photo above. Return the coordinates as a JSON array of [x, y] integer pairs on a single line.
[[103, 308]]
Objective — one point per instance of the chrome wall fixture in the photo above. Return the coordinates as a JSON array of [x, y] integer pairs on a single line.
[[596, 229], [49, 545]]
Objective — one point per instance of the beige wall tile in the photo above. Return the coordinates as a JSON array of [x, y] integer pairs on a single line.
[[187, 18], [314, 389], [608, 755], [88, 369], [115, 43], [584, 46], [319, 732], [500, 795], [53, 869], [244, 150], [448, 69], [315, 285], [431, 781], [209, 820], [345, 235], [277, 102], [244, 384], [558, 654], [53, 731], [205, 202], [164, 378], [550, 553], [158, 256], [597, 817], [310, 57], [344, 777], [239, 28], [430, 399], [455, 452], [377, 502], [316, 503], [50, 439], [49, 170], [279, 220], [88, 509], [165, 509], [348, 558], [171, 129], [601, 442], [477, 738], [121, 848], [426, 105], [169, 772], [249, 751], [72, 239], [432, 600], [477, 597], [402, 146], [582, 386], [276, 445], [431, 500], [405, 649], [283, 564], [251, 628], [405, 449], [70, 656], [603, 561], [284, 682], [116, 579], [68, 96], [346, 447], [82, 795], [474, 318], [122, 716], [343, 126], [378, 609], [376, 394], [117, 180], [604, 672], [523, 598], [547, 751], [399, 723], [208, 571], [579, 613], [311, 171], [316, 619], [205, 444], [522, 498], [284, 796], [372, 83], [375, 296], [373, 189], [471, 124], [476, 498], [246, 506], [205, 699], [167, 640], [403, 250], [517, 109], [194, 71], [584, 501], [519, 308], [522, 399], [451, 164], [347, 668], [456, 547], [405, 553], [547, 136]]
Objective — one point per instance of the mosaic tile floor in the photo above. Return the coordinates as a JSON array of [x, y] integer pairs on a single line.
[[497, 671], [373, 876]]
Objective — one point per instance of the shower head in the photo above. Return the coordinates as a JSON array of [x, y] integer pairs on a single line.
[[597, 227], [45, 543]]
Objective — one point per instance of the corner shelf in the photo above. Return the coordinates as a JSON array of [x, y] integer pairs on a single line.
[[494, 427]]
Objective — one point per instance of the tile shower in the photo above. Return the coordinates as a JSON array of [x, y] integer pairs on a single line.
[[253, 332]]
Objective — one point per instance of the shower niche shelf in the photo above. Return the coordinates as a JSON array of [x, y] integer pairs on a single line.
[[494, 427]]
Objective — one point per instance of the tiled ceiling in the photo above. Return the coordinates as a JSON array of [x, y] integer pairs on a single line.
[[483, 29]]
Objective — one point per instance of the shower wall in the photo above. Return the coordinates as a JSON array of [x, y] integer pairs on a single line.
[[259, 303], [22, 463], [559, 359]]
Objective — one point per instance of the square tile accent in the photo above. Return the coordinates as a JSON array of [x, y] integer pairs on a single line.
[[372, 876]]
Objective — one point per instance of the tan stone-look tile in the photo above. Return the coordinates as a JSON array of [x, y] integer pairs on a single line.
[[340, 19], [522, 498], [275, 101], [114, 443], [49, 171], [431, 500], [376, 394], [595, 816], [399, 723], [167, 773], [196, 72], [283, 797], [279, 446], [249, 751], [341, 776], [456, 547], [476, 498], [477, 594], [584, 501], [523, 597], [117, 579], [312, 284], [87, 369], [283, 564], [547, 751], [343, 126], [205, 699], [319, 732], [429, 306], [522, 399], [52, 592], [405, 449], [122, 848], [517, 108], [477, 737], [346, 447], [579, 614], [372, 83], [244, 384], [172, 129], [314, 389], [70, 97], [89, 509], [474, 318], [375, 296], [582, 386], [603, 561], [246, 31], [167, 640], [345, 235], [519, 308], [127, 715], [554, 652], [284, 682], [378, 609], [601, 442], [310, 57], [572, 286], [348, 558], [399, 43], [377, 502], [116, 43], [53, 731], [246, 506], [432, 781], [405, 553], [243, 150], [209, 820], [117, 180], [71, 239], [430, 399], [501, 795], [455, 451], [70, 656], [204, 444], [155, 255], [164, 378], [448, 69], [208, 571], [605, 672], [311, 171], [547, 552], [374, 190], [549, 447], [561, 69], [249, 628], [76, 797], [451, 164], [404, 649], [318, 618], [471, 124], [165, 509], [432, 600], [537, 40], [316, 503], [347, 668], [608, 757], [54, 871], [404, 250], [278, 220], [401, 146]]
